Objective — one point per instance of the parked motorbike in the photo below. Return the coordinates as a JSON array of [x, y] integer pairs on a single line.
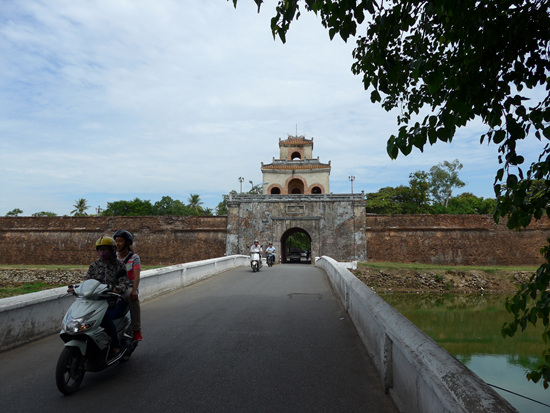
[[87, 344], [270, 259], [255, 261]]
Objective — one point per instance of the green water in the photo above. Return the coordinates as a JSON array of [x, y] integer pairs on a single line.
[[468, 326]]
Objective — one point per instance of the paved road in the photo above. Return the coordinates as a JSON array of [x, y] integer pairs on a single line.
[[273, 341]]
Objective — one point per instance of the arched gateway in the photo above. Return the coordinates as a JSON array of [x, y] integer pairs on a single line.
[[296, 199], [335, 223]]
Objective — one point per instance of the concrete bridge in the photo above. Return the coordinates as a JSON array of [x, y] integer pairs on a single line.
[[289, 338]]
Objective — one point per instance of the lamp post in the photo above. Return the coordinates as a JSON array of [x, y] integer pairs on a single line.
[[241, 180], [251, 183], [351, 178]]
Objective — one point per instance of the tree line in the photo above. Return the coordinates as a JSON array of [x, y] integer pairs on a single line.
[[141, 207], [429, 193]]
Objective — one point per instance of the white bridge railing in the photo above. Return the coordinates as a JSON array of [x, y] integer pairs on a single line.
[[32, 316]]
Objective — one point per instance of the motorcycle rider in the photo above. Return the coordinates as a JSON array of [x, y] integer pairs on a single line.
[[270, 250], [132, 263], [257, 248], [109, 270]]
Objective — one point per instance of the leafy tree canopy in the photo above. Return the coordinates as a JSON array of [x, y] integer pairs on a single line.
[[169, 206], [398, 200], [299, 240], [221, 209], [456, 61], [443, 179], [137, 207], [166, 206], [14, 212], [415, 198], [44, 214], [467, 203]]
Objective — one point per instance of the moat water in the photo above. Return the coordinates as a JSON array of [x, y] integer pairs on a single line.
[[468, 326]]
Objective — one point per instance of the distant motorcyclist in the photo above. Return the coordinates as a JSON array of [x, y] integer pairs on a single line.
[[257, 248], [270, 251]]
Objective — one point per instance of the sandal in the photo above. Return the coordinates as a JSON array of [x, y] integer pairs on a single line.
[[114, 352]]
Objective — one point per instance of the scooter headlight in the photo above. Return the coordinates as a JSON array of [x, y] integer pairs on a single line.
[[75, 326]]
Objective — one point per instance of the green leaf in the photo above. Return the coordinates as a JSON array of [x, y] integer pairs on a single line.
[[375, 96]]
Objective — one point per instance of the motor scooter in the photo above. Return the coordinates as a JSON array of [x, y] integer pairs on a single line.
[[87, 344], [255, 261], [270, 259]]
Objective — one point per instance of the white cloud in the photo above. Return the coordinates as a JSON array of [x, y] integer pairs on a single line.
[[110, 100]]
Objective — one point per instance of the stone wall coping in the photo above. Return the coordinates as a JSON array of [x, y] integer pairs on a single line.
[[249, 198], [418, 374]]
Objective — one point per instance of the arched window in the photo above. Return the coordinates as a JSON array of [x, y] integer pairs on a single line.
[[275, 191], [295, 186], [296, 156], [316, 190]]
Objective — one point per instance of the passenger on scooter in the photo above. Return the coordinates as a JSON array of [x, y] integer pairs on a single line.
[[109, 270], [132, 262]]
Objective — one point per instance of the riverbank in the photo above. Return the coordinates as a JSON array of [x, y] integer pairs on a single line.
[[21, 281], [446, 280], [380, 279]]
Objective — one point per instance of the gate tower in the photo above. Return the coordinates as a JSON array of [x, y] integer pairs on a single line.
[[295, 199], [296, 172]]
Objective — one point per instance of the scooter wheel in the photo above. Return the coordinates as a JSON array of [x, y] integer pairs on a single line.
[[69, 372]]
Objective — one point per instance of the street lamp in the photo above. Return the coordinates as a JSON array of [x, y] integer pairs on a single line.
[[351, 178], [241, 179], [251, 183]]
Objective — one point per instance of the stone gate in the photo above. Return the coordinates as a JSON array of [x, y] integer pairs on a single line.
[[335, 224]]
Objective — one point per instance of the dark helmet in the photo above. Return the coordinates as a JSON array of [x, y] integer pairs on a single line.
[[124, 234]]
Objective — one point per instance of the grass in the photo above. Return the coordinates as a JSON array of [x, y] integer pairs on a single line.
[[24, 288], [420, 267], [61, 267], [43, 267]]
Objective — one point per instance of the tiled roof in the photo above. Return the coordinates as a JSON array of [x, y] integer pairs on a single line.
[[295, 141], [296, 166]]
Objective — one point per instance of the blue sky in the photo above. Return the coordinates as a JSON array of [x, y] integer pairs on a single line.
[[112, 100]]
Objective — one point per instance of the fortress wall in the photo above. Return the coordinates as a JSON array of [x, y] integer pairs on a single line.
[[159, 240], [453, 239], [168, 240]]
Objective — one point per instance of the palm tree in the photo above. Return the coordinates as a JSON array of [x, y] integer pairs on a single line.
[[194, 202], [80, 206]]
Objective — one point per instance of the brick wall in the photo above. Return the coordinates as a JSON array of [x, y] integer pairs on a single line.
[[159, 240], [440, 239], [453, 239]]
